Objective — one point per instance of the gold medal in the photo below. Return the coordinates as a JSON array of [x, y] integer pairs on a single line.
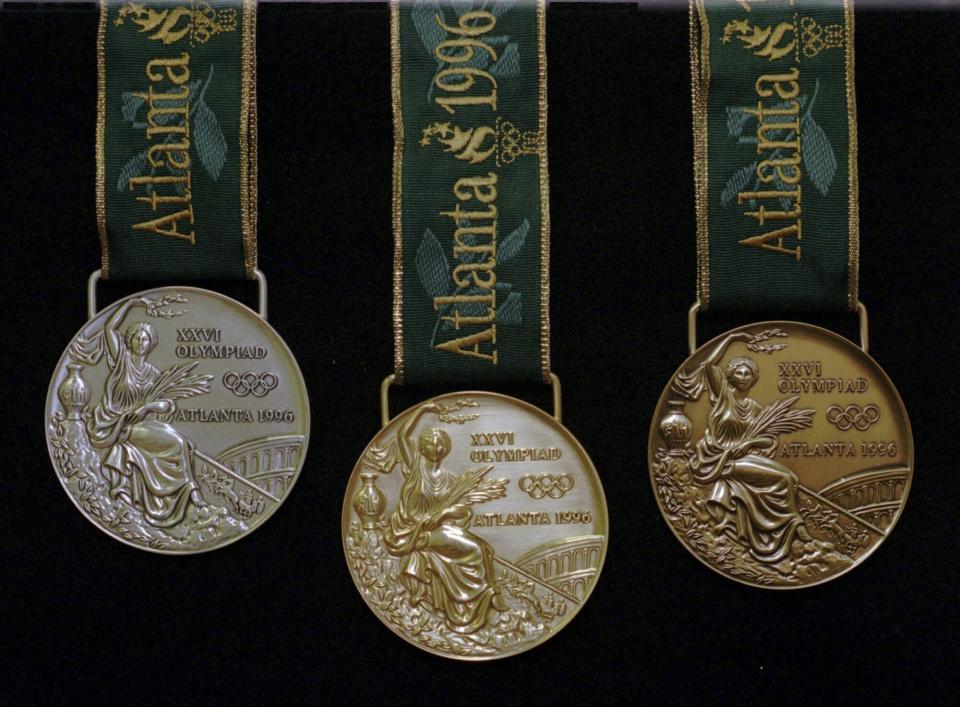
[[474, 525], [780, 455]]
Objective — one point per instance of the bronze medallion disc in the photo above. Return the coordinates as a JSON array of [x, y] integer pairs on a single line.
[[177, 420], [474, 526], [780, 455]]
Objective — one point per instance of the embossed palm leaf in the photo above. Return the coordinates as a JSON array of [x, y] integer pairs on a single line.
[[209, 140], [513, 243], [779, 418], [179, 382], [136, 165], [508, 65], [423, 13], [431, 265], [470, 487], [510, 311], [130, 104], [737, 182], [818, 156], [736, 120]]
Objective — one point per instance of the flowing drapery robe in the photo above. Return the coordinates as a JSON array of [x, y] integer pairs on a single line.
[[148, 463], [753, 497], [444, 564]]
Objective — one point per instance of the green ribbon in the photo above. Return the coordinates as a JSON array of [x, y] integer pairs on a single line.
[[176, 151], [470, 192], [775, 151]]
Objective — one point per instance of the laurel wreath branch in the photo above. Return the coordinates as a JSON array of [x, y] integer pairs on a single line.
[[445, 412], [755, 343], [154, 306]]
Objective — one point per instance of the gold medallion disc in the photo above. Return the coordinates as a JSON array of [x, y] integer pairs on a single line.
[[177, 420], [781, 455], [474, 526]]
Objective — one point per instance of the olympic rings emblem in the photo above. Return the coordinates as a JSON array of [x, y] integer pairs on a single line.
[[853, 416], [250, 383], [545, 485]]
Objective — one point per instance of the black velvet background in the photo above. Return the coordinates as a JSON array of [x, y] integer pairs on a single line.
[[275, 617]]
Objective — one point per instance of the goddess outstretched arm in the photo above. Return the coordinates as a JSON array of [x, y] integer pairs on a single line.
[[111, 329], [408, 445], [711, 365]]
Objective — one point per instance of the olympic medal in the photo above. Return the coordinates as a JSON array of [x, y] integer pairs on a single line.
[[177, 420], [474, 526], [781, 455]]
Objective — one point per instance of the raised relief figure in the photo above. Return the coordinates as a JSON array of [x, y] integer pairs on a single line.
[[751, 497], [444, 565], [426, 571], [134, 462], [750, 504], [148, 462]]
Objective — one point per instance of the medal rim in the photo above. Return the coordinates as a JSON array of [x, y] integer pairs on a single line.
[[664, 396], [51, 395], [529, 407]]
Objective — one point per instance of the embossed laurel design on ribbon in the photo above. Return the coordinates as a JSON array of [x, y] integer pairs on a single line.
[[554, 486], [845, 418], [250, 383]]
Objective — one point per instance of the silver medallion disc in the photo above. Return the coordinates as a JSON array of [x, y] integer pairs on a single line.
[[177, 420]]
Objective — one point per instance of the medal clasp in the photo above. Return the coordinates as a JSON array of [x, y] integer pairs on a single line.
[[97, 274], [862, 318], [391, 379]]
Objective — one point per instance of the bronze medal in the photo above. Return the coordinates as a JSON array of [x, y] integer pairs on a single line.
[[780, 455]]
